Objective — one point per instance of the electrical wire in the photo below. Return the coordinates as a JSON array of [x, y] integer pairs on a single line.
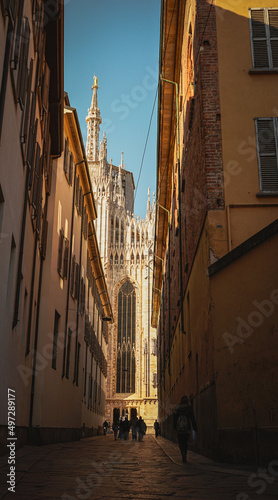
[[156, 94], [185, 102]]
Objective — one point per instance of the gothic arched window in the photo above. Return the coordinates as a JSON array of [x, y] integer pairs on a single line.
[[112, 231], [126, 339], [132, 234], [122, 232], [117, 231]]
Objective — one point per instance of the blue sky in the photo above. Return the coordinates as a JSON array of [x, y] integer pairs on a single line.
[[118, 41]]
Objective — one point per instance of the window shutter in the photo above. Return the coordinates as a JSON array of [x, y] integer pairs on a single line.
[[38, 212], [32, 134], [44, 238], [66, 260], [39, 64], [77, 279], [48, 163], [45, 87], [267, 149], [76, 191], [60, 252], [25, 119], [72, 277], [86, 226], [80, 201], [82, 297], [273, 30], [259, 39], [18, 37], [71, 169], [85, 222], [35, 191], [66, 152], [23, 68], [10, 7]]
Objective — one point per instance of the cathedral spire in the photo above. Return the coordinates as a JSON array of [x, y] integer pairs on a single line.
[[94, 104], [93, 123], [149, 210]]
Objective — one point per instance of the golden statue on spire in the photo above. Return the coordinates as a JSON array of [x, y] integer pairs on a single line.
[[95, 83]]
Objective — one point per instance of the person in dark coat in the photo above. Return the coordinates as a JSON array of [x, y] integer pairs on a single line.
[[105, 427], [133, 423], [141, 428], [156, 428], [184, 421], [115, 428], [126, 427]]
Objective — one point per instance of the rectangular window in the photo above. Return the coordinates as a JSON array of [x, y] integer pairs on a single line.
[[66, 157], [55, 340], [77, 281], [25, 116], [264, 37], [68, 352], [23, 65], [66, 260], [60, 253], [72, 277], [267, 147], [5, 73], [77, 363]]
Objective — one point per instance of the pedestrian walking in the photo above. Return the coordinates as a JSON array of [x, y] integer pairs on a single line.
[[141, 428], [156, 428], [184, 421], [126, 427], [133, 422], [121, 428], [115, 428], [105, 427]]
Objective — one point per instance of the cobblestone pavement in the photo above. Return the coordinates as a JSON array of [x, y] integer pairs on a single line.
[[100, 468]]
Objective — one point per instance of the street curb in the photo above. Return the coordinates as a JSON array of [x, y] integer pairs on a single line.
[[213, 468]]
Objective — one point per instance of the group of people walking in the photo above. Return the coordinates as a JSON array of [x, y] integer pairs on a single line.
[[122, 427], [183, 421]]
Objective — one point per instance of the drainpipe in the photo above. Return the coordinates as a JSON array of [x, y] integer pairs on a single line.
[[20, 258], [169, 293], [179, 197], [78, 297], [37, 329], [31, 295]]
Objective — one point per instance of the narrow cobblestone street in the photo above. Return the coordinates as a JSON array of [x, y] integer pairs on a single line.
[[100, 468]]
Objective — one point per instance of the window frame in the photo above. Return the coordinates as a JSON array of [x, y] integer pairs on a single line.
[[263, 191], [268, 38]]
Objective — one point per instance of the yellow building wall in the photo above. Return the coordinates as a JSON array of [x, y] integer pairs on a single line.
[[243, 97], [245, 319]]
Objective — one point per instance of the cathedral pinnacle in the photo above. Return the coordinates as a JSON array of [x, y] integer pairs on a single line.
[[94, 104], [93, 122], [149, 204], [122, 160]]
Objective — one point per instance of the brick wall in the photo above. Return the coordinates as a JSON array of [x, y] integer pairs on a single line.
[[202, 183]]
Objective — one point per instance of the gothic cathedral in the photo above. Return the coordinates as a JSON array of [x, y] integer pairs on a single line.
[[126, 247]]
